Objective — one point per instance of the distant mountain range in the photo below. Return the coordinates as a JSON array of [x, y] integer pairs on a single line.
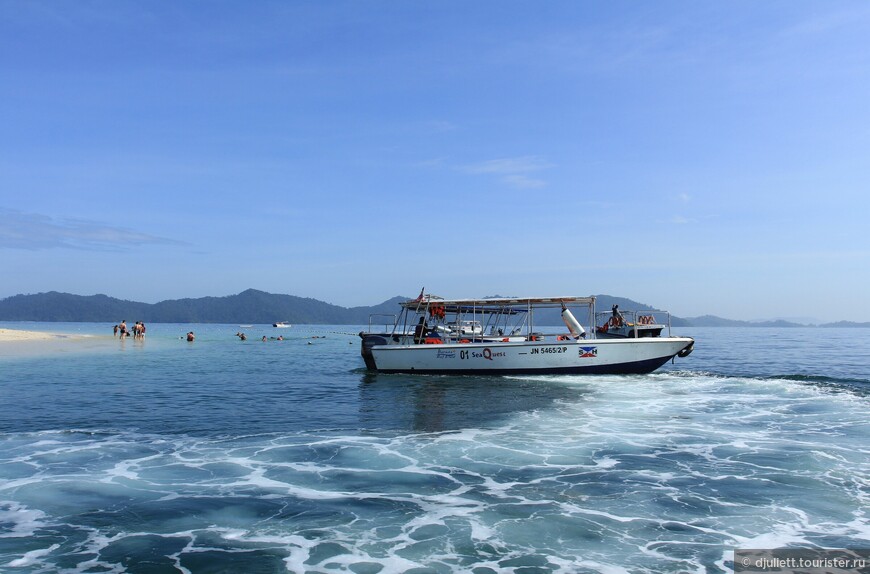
[[252, 306], [249, 306]]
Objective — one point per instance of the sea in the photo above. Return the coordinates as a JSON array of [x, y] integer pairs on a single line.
[[231, 456]]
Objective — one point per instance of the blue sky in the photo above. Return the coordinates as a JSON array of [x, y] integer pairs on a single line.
[[704, 157]]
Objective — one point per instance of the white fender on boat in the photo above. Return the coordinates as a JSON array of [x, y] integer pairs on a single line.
[[573, 325]]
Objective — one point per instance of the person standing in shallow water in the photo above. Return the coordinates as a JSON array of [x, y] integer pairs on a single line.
[[190, 336], [115, 330], [122, 327]]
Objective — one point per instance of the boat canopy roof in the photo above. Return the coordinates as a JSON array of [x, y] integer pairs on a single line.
[[497, 302]]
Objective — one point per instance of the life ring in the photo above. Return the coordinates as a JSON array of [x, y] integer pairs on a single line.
[[563, 338], [464, 341]]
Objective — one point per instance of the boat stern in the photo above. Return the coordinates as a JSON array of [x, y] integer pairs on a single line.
[[369, 340]]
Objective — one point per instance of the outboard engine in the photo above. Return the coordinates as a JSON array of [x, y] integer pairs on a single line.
[[369, 341]]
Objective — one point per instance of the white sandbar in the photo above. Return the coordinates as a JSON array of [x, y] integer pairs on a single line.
[[9, 335], [19, 342]]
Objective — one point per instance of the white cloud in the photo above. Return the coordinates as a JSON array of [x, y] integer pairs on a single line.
[[821, 22], [509, 166], [513, 171], [33, 232], [523, 182]]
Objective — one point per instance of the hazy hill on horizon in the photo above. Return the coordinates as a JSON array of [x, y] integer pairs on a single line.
[[254, 306], [249, 306]]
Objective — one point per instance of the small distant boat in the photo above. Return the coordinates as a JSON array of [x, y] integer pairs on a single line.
[[282, 325], [466, 328]]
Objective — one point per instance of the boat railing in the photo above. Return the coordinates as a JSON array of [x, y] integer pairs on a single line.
[[388, 327], [634, 319]]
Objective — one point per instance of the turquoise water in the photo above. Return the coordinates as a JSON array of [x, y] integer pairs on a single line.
[[287, 456]]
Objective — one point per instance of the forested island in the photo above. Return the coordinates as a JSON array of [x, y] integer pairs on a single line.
[[253, 306]]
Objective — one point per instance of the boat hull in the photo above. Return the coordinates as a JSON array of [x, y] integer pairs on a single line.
[[595, 356]]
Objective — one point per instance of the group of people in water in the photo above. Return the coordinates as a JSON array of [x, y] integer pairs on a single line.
[[121, 329], [138, 332], [243, 337]]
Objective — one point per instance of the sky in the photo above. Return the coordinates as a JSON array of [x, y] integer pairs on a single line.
[[700, 157]]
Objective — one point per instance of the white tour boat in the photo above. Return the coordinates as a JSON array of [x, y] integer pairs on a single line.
[[507, 337]]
